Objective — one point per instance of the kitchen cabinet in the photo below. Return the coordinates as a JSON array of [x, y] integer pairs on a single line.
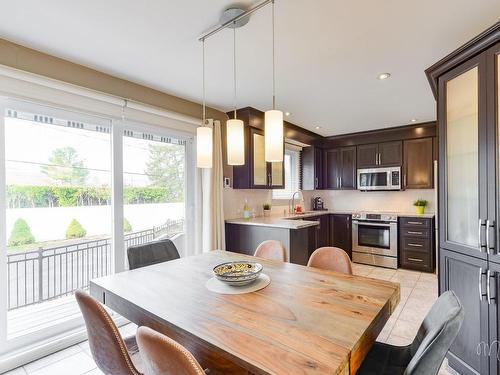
[[340, 168], [466, 84], [341, 232], [312, 168], [385, 154], [416, 243], [418, 166], [257, 173], [466, 276], [322, 230]]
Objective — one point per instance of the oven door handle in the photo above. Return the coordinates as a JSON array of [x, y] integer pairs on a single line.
[[387, 225]]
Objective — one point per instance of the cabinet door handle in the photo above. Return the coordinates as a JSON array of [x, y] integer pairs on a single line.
[[404, 180], [479, 242], [489, 224], [415, 222], [480, 284], [489, 275], [340, 179], [415, 245], [411, 232], [316, 182], [415, 259]]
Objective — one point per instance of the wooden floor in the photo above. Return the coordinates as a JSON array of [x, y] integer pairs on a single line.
[[418, 293]]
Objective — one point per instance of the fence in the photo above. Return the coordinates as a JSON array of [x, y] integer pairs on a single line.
[[47, 273]]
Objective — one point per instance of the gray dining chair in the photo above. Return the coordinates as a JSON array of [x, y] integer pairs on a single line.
[[151, 253], [426, 353]]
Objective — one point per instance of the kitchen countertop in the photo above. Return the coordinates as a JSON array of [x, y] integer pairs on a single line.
[[296, 221], [276, 222]]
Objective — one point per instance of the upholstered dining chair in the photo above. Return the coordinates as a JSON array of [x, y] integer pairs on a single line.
[[112, 354], [164, 356], [151, 253], [426, 353], [332, 259], [271, 250]]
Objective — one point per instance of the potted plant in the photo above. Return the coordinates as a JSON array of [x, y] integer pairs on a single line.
[[420, 206], [267, 209]]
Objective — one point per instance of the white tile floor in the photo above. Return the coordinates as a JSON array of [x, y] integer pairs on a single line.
[[418, 293]]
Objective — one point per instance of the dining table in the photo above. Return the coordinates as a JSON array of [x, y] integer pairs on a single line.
[[306, 321]]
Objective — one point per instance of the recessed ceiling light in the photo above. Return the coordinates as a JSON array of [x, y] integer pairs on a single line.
[[287, 113], [414, 120], [382, 76], [318, 127]]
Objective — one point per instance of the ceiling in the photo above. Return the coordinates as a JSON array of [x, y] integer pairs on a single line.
[[328, 52]]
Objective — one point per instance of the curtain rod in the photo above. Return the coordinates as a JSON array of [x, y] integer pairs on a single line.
[[218, 28]]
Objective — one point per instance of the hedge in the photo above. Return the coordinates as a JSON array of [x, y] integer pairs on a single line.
[[26, 196]]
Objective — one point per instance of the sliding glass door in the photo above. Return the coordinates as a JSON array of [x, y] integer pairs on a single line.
[[154, 187], [76, 190]]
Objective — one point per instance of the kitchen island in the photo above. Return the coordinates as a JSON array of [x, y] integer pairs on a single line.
[[298, 236]]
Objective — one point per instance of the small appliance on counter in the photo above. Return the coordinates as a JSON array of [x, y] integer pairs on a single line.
[[318, 204]]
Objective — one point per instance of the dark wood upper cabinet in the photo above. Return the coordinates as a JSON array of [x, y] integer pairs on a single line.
[[312, 168], [332, 169], [257, 173], [368, 156], [340, 168], [418, 164], [386, 154], [390, 154]]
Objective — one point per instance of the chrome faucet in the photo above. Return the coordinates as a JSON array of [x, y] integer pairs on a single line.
[[291, 203]]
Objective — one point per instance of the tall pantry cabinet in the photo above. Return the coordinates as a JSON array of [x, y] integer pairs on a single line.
[[467, 89]]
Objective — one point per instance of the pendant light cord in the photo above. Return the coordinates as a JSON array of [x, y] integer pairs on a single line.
[[234, 68], [274, 69], [203, 82]]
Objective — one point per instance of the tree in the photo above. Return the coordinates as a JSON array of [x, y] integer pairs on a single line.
[[127, 228], [75, 230], [21, 234], [165, 169], [65, 167]]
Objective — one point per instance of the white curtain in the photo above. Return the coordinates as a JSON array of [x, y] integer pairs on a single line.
[[212, 202]]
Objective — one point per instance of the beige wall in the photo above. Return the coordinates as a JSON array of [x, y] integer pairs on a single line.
[[19, 57]]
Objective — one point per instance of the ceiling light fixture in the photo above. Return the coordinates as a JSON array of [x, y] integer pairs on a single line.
[[204, 134], [235, 135], [414, 120], [287, 114], [273, 119], [318, 127], [383, 76]]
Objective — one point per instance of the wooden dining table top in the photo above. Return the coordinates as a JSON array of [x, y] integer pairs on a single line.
[[306, 321]]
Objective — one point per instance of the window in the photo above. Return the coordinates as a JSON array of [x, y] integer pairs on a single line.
[[292, 172]]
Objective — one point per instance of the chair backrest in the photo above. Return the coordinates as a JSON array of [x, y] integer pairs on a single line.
[[332, 259], [106, 344], [272, 250], [436, 335], [164, 356], [151, 253]]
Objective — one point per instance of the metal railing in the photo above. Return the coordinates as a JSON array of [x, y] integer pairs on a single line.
[[47, 273]]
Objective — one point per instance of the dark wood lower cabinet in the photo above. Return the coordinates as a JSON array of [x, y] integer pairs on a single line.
[[466, 276], [341, 232], [494, 319]]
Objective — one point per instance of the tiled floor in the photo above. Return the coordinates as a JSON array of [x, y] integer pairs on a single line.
[[418, 293]]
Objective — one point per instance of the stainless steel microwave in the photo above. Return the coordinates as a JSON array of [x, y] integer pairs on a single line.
[[379, 178]]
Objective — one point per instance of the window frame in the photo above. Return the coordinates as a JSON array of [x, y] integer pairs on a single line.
[[279, 195]]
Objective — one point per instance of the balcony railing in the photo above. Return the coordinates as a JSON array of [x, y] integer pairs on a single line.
[[47, 273]]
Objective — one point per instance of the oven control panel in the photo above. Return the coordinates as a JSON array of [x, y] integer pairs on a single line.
[[371, 216]]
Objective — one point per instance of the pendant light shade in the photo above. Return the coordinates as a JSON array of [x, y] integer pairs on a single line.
[[204, 147], [235, 141], [274, 135], [273, 120]]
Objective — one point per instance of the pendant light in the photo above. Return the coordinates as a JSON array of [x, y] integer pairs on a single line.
[[204, 136], [235, 136], [273, 119]]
